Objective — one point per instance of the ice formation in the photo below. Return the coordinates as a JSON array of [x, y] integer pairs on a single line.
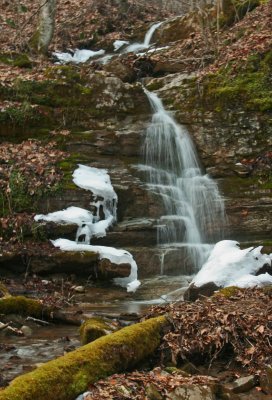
[[94, 223], [71, 215], [228, 265], [115, 256], [79, 56]]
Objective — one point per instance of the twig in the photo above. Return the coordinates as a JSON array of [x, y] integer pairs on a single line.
[[3, 326], [38, 321]]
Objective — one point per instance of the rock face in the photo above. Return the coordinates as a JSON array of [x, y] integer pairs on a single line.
[[194, 292]]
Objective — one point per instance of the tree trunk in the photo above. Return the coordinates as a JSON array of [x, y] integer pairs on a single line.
[[41, 39]]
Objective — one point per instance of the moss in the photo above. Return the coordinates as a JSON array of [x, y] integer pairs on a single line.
[[155, 84], [250, 85], [68, 376], [16, 60], [228, 291], [93, 329], [23, 306], [20, 115], [64, 73]]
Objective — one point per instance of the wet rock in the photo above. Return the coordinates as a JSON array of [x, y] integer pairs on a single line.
[[245, 384], [27, 331], [194, 292]]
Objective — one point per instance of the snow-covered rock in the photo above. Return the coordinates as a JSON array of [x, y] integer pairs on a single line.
[[228, 265]]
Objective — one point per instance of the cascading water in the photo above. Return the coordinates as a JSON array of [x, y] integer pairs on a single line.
[[194, 209], [136, 47]]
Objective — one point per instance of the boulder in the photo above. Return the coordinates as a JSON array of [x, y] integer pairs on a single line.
[[194, 292], [121, 70], [192, 392], [245, 384]]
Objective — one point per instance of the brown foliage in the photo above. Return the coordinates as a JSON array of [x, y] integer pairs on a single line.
[[243, 322]]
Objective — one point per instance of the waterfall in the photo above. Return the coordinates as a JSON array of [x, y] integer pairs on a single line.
[[136, 47], [194, 209]]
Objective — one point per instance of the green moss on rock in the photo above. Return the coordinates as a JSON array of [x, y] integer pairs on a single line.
[[228, 291], [70, 375], [93, 329], [250, 85], [64, 73]]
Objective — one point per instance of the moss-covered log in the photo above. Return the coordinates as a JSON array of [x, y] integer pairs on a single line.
[[23, 306], [30, 307], [68, 376]]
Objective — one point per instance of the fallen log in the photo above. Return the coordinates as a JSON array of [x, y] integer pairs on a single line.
[[24, 306], [66, 377]]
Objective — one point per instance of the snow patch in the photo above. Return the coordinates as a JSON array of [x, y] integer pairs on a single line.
[[228, 265]]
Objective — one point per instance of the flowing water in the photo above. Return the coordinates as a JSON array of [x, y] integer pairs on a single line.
[[136, 47], [194, 209]]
